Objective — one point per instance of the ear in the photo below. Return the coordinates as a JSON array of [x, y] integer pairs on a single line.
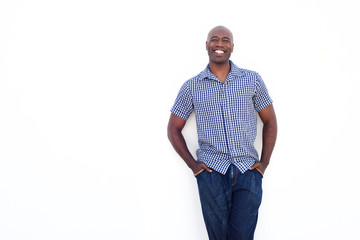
[[206, 45]]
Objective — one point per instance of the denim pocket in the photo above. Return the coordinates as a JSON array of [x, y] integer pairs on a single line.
[[262, 175], [200, 172]]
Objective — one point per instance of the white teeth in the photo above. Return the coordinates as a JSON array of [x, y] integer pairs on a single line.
[[219, 51]]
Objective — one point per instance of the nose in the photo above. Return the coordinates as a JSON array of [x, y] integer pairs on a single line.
[[220, 43]]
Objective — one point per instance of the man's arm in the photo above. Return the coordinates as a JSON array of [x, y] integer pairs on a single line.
[[175, 126], [268, 117]]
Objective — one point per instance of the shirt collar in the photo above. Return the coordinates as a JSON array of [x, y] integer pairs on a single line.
[[234, 72]]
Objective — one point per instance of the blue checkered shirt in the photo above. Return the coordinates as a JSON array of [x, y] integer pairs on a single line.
[[225, 116]]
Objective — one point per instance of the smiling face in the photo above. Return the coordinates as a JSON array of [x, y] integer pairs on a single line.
[[219, 45]]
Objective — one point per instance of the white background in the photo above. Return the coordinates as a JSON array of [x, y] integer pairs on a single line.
[[85, 93]]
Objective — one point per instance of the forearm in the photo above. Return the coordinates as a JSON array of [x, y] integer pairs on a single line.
[[269, 139], [178, 142]]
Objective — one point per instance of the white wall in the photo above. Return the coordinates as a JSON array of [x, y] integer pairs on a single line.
[[85, 93]]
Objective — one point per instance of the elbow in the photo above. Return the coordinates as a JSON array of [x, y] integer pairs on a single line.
[[171, 132], [271, 126], [174, 127]]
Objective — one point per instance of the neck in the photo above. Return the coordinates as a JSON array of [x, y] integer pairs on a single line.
[[220, 70]]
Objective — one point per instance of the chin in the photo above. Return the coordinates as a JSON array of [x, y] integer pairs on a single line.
[[220, 62]]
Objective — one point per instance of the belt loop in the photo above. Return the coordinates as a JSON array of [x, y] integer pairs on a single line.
[[234, 174]]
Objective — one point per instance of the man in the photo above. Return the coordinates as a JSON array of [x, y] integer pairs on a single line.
[[229, 174]]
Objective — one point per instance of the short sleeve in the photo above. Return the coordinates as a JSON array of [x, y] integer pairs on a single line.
[[261, 98], [183, 105]]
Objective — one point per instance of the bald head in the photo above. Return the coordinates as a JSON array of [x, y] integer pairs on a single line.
[[221, 29], [219, 45]]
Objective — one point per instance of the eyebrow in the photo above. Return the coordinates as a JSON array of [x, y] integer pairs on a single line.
[[223, 37]]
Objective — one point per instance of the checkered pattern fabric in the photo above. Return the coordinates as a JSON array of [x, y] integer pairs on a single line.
[[225, 116]]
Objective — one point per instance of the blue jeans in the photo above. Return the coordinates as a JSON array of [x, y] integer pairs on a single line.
[[230, 203]]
